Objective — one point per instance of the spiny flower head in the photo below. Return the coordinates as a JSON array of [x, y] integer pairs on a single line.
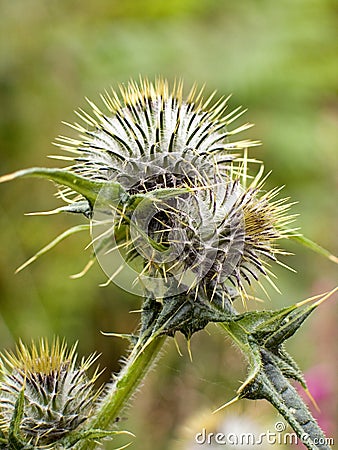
[[172, 204], [58, 393], [153, 139], [148, 120]]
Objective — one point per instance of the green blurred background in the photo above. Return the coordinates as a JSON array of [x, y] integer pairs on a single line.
[[279, 59]]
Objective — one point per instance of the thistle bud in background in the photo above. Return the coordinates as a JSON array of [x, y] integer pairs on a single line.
[[57, 393]]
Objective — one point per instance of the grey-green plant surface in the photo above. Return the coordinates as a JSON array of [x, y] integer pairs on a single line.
[[180, 206]]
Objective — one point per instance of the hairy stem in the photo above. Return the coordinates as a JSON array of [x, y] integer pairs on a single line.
[[127, 381]]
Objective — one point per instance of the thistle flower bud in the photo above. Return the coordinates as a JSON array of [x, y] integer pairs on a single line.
[[172, 204], [187, 221], [58, 394]]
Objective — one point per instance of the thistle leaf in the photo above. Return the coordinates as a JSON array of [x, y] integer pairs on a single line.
[[270, 383], [261, 336], [90, 189]]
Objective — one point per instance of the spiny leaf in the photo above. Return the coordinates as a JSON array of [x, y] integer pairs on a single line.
[[271, 384], [261, 336], [271, 328]]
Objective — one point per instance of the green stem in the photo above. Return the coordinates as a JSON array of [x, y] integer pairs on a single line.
[[132, 374], [238, 334]]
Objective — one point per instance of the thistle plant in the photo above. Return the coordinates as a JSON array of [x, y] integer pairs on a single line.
[[178, 214]]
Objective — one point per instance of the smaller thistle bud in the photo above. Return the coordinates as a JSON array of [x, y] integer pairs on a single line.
[[57, 394]]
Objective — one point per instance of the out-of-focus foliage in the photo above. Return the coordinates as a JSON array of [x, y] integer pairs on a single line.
[[277, 58]]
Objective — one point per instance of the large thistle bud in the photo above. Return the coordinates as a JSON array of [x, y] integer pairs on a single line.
[[202, 227], [172, 204], [57, 394]]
